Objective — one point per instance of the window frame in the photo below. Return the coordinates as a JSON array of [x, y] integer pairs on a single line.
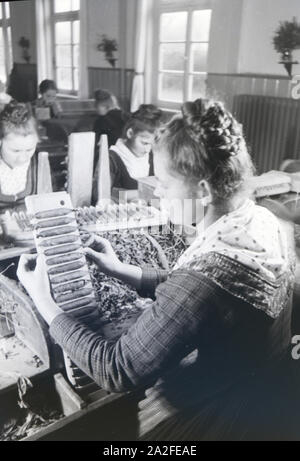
[[5, 24], [189, 6], [65, 16]]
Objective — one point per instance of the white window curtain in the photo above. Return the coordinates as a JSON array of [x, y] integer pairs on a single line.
[[44, 40], [143, 38]]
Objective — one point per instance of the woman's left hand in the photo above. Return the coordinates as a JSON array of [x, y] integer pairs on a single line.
[[32, 273]]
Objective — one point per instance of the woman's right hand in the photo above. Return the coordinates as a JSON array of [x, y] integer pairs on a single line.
[[102, 253]]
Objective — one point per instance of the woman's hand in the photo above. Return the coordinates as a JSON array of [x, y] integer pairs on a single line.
[[32, 273], [106, 259], [102, 253]]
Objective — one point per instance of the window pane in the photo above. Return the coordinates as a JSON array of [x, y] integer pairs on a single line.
[[199, 53], [76, 32], [76, 56], [64, 56], [76, 80], [172, 56], [170, 87], [62, 5], [75, 5], [7, 10], [63, 32], [197, 86], [173, 26], [201, 26], [64, 78]]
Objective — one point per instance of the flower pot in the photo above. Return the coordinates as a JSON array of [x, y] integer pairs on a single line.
[[288, 62]]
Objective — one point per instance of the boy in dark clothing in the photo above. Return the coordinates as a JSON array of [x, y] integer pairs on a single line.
[[48, 99], [111, 119]]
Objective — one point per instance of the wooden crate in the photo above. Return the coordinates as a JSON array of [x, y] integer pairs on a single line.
[[103, 416], [146, 188]]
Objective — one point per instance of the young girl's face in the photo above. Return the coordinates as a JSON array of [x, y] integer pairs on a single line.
[[49, 96], [17, 149], [141, 143], [101, 109]]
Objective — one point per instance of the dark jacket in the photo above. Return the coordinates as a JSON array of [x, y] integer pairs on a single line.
[[119, 175], [207, 351], [111, 124]]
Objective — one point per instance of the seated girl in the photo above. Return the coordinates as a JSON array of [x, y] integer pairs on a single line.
[[18, 165], [111, 119], [48, 92], [131, 157], [211, 353]]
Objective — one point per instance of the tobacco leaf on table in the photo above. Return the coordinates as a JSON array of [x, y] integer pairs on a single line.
[[116, 299]]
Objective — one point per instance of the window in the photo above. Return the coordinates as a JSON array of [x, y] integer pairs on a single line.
[[183, 41], [66, 34], [6, 59]]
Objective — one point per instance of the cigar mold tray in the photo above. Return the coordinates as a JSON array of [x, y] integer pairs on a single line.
[[17, 226]]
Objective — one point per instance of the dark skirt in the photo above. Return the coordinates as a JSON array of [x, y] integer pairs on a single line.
[[264, 407]]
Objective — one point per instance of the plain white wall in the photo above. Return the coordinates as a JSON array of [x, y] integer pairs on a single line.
[[260, 20], [103, 18], [130, 27], [225, 36], [23, 25], [107, 17], [241, 35]]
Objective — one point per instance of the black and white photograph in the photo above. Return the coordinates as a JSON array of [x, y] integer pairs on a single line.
[[149, 223]]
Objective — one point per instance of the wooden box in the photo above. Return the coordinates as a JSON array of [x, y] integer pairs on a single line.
[[146, 188]]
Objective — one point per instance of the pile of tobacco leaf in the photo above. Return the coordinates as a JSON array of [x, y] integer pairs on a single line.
[[117, 300], [27, 420]]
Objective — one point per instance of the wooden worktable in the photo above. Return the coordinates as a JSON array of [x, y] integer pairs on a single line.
[[13, 251]]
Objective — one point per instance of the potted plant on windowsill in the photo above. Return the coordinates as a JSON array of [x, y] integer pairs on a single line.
[[108, 46], [285, 41]]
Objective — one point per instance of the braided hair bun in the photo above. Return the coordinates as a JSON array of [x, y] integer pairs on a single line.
[[17, 118], [16, 113], [193, 112], [211, 124], [206, 142]]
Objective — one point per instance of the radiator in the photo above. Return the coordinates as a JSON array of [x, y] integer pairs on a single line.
[[271, 127]]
